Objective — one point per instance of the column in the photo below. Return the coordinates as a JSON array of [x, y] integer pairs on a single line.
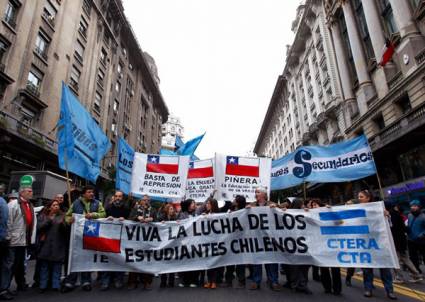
[[366, 90], [403, 17], [344, 73], [377, 38]]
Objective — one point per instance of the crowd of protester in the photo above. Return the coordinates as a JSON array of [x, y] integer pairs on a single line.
[[44, 234]]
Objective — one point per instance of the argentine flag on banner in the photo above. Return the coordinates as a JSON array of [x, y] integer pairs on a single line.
[[344, 161], [81, 142]]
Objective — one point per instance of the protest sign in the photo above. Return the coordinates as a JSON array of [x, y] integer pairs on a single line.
[[200, 180], [237, 175], [159, 175], [345, 161], [344, 236]]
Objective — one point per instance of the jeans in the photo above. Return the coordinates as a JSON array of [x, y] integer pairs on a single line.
[[240, 273], [48, 268], [416, 250], [404, 259], [386, 277], [331, 279], [272, 271], [105, 277], [13, 264], [71, 279]]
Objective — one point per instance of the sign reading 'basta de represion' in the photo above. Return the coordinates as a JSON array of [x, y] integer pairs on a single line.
[[344, 236]]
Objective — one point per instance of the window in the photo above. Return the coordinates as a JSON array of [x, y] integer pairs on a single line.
[[10, 13], [404, 104], [79, 50], [98, 102], [83, 27], [75, 77], [87, 7], [3, 49], [116, 105], [34, 79], [103, 56], [42, 45], [114, 128], [118, 87], [49, 12], [28, 116], [364, 32], [100, 77], [379, 122], [120, 67], [387, 14], [344, 34]]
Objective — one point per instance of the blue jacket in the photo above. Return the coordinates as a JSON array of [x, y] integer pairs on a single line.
[[4, 216], [416, 227]]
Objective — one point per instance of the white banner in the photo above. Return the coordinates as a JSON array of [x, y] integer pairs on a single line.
[[237, 175], [159, 175], [344, 236], [200, 180]]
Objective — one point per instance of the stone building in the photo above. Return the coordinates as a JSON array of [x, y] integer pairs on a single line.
[[386, 103], [90, 45], [170, 130]]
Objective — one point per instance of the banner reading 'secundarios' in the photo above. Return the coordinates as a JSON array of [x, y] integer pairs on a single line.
[[344, 236], [237, 175], [200, 180], [159, 175]]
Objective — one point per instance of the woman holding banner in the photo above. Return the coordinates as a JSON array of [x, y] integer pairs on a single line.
[[211, 208], [188, 209], [366, 196]]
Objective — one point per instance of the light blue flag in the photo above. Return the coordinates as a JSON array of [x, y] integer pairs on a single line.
[[344, 161], [179, 142], [81, 142], [166, 152], [190, 147], [124, 166]]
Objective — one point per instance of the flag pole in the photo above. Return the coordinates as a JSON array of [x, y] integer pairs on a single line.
[[305, 191], [68, 185], [381, 191]]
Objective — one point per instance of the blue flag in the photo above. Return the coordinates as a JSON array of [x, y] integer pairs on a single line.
[[179, 142], [345, 161], [190, 147], [81, 142], [124, 166]]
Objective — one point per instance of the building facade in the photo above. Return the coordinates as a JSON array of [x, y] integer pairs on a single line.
[[386, 103], [89, 45], [170, 130]]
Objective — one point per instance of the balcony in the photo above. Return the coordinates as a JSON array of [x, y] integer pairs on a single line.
[[15, 126], [10, 20], [406, 123], [33, 89], [4, 77], [31, 93]]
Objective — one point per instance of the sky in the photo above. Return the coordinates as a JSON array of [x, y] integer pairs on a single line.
[[218, 61]]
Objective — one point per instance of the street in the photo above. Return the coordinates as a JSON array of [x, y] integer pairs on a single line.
[[410, 292]]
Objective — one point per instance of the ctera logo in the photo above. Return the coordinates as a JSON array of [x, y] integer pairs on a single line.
[[300, 157]]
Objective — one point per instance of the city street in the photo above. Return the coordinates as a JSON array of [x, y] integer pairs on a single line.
[[410, 292]]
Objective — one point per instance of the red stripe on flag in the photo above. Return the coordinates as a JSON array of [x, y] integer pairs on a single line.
[[102, 244], [387, 55], [162, 168], [200, 172], [240, 170]]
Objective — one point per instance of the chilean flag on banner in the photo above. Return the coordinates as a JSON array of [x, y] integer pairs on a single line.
[[162, 164], [200, 169], [98, 238], [242, 166]]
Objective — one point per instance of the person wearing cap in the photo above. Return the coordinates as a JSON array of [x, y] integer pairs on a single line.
[[416, 233], [21, 226], [272, 269]]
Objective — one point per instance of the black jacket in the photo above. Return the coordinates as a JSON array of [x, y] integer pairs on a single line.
[[117, 210], [398, 230], [52, 238]]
